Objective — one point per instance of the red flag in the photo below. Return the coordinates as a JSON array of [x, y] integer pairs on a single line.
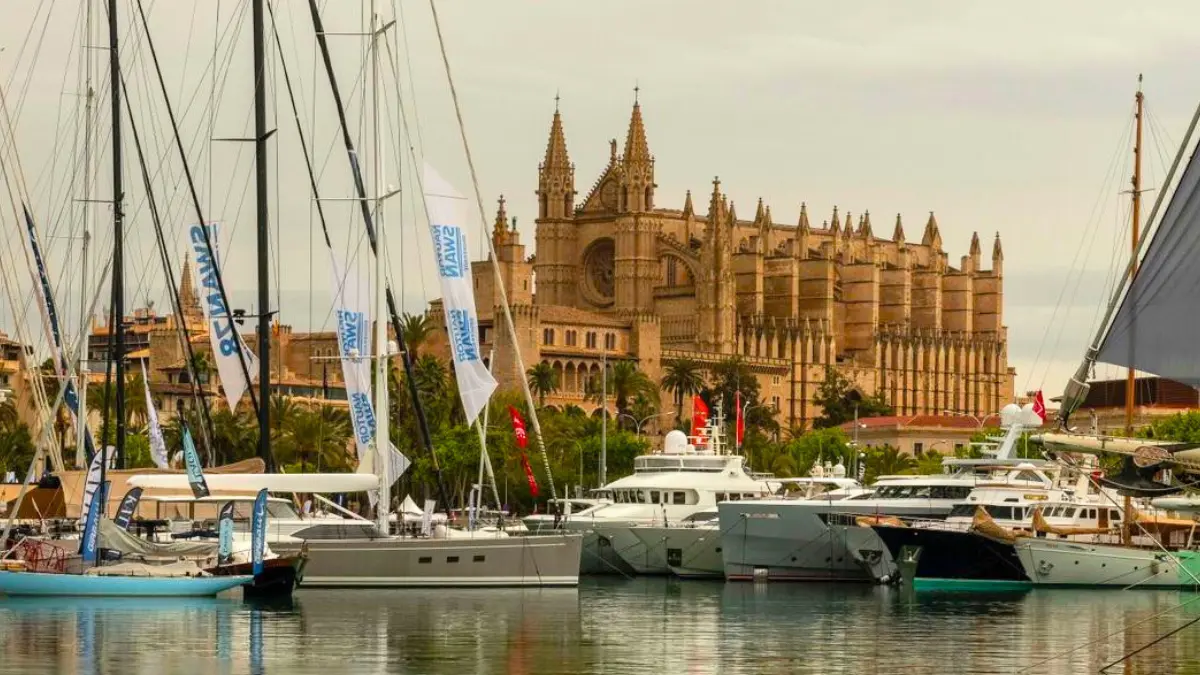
[[533, 488], [699, 415], [1039, 405], [741, 421], [519, 428]]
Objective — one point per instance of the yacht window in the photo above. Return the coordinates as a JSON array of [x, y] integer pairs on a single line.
[[1091, 514], [923, 492], [643, 496], [654, 496], [962, 511], [1028, 475], [1114, 515], [1069, 512], [748, 495], [720, 496], [678, 498], [1002, 512]]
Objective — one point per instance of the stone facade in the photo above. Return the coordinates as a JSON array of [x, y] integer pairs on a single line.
[[617, 273]]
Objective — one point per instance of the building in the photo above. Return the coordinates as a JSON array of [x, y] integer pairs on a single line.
[[303, 365], [618, 274], [914, 434], [17, 382], [1154, 398]]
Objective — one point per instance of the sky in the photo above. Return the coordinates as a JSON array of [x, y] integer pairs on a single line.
[[1012, 118]]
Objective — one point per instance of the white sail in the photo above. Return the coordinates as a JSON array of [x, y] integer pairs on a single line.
[[158, 445]]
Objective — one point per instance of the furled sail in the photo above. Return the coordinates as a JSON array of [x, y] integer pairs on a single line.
[[1156, 326]]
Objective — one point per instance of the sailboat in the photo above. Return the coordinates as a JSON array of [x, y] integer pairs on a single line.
[[1157, 290]]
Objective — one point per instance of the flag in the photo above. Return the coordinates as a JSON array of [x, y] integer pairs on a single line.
[[225, 534], [518, 428], [258, 531], [447, 221], [533, 488], [91, 526], [353, 316], [1039, 405], [129, 504], [699, 415], [229, 350], [740, 425], [427, 517], [158, 445], [191, 462], [92, 482]]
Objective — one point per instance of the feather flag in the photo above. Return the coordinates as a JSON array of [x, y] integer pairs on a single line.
[[522, 437], [158, 445], [699, 416], [740, 417]]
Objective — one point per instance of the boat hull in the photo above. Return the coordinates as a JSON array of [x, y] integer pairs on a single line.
[[77, 585], [598, 555], [765, 542], [689, 552], [280, 576], [1050, 562], [535, 561], [955, 556]]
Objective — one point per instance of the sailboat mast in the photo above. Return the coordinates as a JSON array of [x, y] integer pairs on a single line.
[[1135, 223], [118, 199], [382, 417], [81, 458], [263, 218]]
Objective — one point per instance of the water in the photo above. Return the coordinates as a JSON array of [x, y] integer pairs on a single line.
[[658, 626]]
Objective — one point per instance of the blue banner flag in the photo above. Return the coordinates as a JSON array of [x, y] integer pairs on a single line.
[[91, 527], [191, 461], [129, 504], [258, 528], [225, 534]]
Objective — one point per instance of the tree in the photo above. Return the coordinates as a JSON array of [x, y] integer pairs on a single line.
[[416, 329], [684, 378], [730, 378], [543, 381], [319, 438], [839, 398], [888, 461], [625, 383]]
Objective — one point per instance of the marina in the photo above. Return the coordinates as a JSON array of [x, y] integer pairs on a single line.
[[315, 358]]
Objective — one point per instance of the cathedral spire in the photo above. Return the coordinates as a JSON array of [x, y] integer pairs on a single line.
[[803, 224], [865, 228], [500, 226], [189, 301], [556, 146], [898, 233], [834, 223], [932, 237], [975, 249], [556, 175], [997, 251], [636, 147], [688, 210], [758, 213]]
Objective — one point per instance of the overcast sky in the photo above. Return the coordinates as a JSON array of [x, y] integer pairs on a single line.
[[1012, 118]]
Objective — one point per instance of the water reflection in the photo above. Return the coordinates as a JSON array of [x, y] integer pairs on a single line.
[[607, 626]]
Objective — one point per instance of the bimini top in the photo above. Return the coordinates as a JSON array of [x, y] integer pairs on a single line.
[[273, 482]]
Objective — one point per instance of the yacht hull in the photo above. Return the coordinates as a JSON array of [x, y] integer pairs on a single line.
[[955, 559], [542, 561], [687, 552], [1050, 562], [598, 555], [644, 555], [761, 541]]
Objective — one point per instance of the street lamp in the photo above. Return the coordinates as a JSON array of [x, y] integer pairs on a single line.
[[638, 423], [978, 420]]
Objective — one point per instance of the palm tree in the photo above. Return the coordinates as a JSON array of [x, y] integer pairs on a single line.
[[543, 381], [683, 378], [416, 328], [625, 383], [888, 461], [318, 437]]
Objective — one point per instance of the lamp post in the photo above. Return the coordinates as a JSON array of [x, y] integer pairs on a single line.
[[978, 420], [638, 423]]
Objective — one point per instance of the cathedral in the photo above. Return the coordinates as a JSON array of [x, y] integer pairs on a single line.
[[614, 275]]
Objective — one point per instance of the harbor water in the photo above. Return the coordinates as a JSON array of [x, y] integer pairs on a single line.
[[644, 625]]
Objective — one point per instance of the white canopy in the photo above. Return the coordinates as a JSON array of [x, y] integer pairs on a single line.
[[273, 482], [409, 507]]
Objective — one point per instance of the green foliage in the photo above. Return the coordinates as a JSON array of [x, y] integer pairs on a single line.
[[1182, 427], [729, 377], [16, 442], [838, 397], [543, 381], [683, 378], [626, 383], [888, 461], [416, 329]]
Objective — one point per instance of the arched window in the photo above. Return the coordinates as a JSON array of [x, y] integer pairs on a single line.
[[610, 341], [548, 336], [591, 340]]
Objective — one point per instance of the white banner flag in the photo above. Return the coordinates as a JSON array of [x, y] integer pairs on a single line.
[[225, 344], [447, 220], [353, 316], [158, 445], [92, 483]]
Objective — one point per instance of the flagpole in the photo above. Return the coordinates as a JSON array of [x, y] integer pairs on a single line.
[[603, 474]]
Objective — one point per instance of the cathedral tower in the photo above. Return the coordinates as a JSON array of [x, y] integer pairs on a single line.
[[555, 232], [635, 259]]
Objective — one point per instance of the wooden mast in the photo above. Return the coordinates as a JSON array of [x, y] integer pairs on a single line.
[[1135, 221]]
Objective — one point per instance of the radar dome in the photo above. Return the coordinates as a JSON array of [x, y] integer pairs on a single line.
[[1028, 417], [1010, 414], [675, 443], [839, 470]]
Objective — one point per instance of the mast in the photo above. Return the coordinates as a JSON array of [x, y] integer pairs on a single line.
[[382, 417], [118, 198], [263, 216], [1135, 223], [81, 365], [602, 474]]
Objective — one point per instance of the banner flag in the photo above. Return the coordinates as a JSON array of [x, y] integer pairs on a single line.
[[158, 445], [129, 504], [191, 461]]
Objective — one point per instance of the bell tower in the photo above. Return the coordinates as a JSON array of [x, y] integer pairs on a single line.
[[555, 266], [635, 261]]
